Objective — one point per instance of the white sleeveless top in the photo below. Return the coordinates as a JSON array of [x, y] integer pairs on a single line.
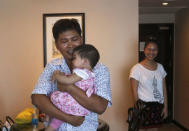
[[150, 83]]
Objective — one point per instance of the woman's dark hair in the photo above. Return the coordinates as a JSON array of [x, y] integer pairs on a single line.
[[63, 25], [89, 52], [149, 41]]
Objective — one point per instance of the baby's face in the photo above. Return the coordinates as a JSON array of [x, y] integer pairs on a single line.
[[77, 61]]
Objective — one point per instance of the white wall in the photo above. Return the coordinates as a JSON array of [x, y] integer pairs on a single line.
[[110, 26]]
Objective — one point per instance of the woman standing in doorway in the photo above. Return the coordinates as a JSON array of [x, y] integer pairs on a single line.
[[147, 80]]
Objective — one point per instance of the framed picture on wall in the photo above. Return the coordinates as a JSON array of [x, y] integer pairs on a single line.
[[50, 51]]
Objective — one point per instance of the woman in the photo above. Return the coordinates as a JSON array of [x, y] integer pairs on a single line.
[[147, 80]]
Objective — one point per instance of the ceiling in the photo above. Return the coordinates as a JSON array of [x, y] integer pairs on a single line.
[[155, 6]]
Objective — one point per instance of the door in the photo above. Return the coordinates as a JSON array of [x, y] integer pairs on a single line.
[[163, 33]]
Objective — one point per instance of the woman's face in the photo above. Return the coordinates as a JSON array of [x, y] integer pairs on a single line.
[[151, 51]]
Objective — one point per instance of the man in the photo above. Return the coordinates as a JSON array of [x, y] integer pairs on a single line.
[[67, 35]]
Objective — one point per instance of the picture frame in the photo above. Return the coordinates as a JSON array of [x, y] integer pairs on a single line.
[[50, 52]]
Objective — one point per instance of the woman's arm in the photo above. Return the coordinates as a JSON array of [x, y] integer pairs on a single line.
[[134, 87], [165, 110], [43, 103], [93, 103]]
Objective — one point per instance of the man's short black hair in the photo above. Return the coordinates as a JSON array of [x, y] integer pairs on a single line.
[[63, 25], [89, 52]]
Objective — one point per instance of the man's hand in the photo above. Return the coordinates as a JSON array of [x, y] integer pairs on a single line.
[[43, 103], [76, 120], [55, 74], [63, 87]]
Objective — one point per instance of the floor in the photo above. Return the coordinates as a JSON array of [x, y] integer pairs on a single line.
[[169, 127]]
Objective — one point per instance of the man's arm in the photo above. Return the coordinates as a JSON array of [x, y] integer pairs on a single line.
[[93, 103], [65, 79], [43, 103]]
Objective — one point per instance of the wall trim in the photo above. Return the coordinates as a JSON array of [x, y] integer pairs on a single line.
[[180, 125]]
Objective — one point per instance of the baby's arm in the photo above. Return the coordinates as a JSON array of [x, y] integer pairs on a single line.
[[65, 79]]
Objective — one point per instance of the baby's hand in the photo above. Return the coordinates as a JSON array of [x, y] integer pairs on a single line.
[[54, 75]]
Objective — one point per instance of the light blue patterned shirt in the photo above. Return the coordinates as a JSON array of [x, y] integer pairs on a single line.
[[102, 83]]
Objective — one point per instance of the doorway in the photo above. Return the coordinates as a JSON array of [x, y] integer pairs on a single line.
[[164, 35]]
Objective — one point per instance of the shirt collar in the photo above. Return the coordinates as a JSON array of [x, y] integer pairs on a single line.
[[64, 66]]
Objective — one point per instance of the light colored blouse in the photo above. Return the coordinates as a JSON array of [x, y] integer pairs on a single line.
[[150, 82]]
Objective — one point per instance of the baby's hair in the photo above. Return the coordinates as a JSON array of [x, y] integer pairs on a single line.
[[149, 41], [89, 52]]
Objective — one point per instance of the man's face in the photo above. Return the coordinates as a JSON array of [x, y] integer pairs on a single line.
[[67, 41]]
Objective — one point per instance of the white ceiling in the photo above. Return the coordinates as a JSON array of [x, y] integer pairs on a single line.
[[155, 6]]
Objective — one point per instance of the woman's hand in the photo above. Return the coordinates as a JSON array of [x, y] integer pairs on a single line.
[[164, 112]]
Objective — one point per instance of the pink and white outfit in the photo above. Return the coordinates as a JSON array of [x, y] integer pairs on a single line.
[[67, 103]]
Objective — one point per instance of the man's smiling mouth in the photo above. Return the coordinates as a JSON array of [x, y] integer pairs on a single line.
[[70, 51]]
